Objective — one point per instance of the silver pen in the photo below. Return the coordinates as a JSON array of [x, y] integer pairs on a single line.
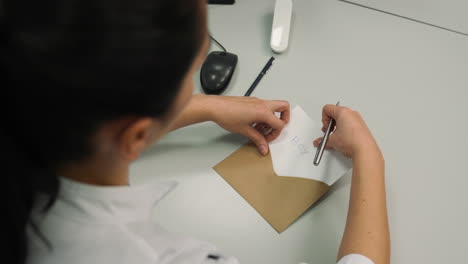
[[323, 142]]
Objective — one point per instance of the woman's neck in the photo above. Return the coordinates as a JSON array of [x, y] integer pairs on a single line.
[[97, 172]]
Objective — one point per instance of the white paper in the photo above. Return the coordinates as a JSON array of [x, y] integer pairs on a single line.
[[293, 151]]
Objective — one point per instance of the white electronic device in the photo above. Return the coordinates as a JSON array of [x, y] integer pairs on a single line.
[[281, 25]]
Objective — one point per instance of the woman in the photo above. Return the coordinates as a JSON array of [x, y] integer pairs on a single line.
[[88, 86]]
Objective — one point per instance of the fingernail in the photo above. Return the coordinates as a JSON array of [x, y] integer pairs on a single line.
[[263, 149]]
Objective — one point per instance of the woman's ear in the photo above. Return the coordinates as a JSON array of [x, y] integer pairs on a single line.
[[136, 137]]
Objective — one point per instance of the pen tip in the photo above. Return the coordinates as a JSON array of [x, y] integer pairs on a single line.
[[338, 103]]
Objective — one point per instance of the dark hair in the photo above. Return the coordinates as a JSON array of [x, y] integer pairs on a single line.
[[67, 66]]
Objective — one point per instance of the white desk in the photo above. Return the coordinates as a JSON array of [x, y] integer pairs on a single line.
[[452, 14], [410, 82]]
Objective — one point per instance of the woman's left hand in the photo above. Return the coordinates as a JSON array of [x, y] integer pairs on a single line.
[[251, 117]]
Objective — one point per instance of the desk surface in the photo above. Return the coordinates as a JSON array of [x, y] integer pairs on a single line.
[[409, 81], [451, 14]]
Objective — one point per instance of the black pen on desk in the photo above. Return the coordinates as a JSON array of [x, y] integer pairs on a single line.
[[323, 142], [260, 76]]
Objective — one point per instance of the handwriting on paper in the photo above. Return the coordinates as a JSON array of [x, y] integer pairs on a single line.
[[292, 153], [301, 147]]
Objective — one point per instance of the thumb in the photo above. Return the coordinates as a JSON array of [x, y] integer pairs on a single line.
[[258, 139]]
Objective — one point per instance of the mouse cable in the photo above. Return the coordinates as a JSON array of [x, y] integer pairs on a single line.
[[219, 44]]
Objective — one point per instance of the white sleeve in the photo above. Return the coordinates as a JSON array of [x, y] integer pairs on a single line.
[[355, 259]]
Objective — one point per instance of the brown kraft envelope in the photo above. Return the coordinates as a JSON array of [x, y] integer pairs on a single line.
[[279, 200]]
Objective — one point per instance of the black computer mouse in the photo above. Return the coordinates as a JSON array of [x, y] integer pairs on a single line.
[[216, 71]]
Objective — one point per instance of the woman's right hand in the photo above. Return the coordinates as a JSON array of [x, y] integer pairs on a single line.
[[366, 232], [351, 136]]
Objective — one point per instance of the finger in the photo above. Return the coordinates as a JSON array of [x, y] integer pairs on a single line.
[[272, 135], [270, 121], [285, 115], [333, 129], [329, 111], [266, 129], [263, 128], [282, 107], [258, 139], [318, 140], [332, 142]]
